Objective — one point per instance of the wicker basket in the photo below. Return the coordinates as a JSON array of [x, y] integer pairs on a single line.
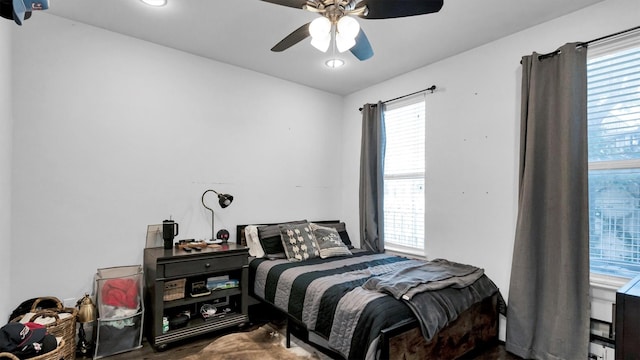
[[64, 328], [55, 354], [47, 300], [174, 289]]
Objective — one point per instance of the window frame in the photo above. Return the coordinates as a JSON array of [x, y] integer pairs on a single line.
[[393, 247], [610, 281]]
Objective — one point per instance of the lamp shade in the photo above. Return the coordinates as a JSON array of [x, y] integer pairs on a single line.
[[348, 27], [320, 31], [86, 310], [321, 43], [344, 43], [320, 27], [224, 200]]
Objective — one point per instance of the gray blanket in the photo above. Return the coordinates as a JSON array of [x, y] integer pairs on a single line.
[[432, 275], [459, 287], [437, 309]]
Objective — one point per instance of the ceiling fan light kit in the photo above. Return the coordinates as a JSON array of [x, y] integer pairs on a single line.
[[346, 30], [336, 21]]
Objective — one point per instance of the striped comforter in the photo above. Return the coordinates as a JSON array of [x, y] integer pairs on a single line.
[[326, 295]]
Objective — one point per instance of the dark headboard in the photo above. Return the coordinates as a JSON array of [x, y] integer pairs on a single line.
[[242, 240]]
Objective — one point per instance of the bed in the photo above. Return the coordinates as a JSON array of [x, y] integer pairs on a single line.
[[349, 305]]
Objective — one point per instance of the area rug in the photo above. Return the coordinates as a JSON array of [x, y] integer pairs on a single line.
[[263, 343]]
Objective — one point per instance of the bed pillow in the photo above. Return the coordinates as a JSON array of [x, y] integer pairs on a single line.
[[271, 240], [253, 242], [298, 242], [342, 231], [329, 241]]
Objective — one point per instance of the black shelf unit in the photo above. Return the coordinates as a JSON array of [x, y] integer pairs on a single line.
[[162, 266]]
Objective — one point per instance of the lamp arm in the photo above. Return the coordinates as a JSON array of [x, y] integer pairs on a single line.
[[210, 209]]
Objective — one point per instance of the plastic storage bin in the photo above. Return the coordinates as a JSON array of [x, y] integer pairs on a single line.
[[120, 310]]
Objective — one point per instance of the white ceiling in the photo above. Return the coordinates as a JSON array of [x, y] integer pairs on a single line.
[[242, 32]]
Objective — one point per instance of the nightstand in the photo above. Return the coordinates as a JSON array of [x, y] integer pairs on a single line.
[[169, 277]]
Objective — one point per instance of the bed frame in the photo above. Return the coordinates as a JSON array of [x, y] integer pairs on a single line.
[[473, 330]]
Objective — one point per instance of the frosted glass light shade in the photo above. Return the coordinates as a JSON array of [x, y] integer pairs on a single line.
[[321, 43], [320, 31], [320, 27], [344, 43], [348, 27]]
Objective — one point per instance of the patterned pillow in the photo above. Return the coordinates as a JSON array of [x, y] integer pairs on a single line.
[[329, 241], [298, 242], [342, 231], [271, 240]]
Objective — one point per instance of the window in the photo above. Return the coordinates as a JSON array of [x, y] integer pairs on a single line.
[[613, 112], [404, 167]]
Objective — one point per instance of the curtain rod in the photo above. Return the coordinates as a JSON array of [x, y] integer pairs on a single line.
[[609, 36], [431, 88], [585, 44]]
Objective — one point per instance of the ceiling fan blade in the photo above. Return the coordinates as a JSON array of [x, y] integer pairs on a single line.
[[362, 49], [290, 3], [385, 9], [295, 37]]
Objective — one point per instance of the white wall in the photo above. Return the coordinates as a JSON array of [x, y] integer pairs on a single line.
[[473, 137], [113, 133], [6, 119]]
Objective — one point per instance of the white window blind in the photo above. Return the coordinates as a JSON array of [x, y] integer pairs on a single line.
[[404, 170], [613, 112]]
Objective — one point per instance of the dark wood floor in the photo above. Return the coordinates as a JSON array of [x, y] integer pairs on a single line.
[[495, 353], [260, 315], [192, 346], [187, 348]]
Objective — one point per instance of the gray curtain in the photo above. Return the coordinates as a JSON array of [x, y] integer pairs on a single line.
[[371, 178], [548, 312]]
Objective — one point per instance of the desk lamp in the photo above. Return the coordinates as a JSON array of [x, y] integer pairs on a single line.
[[224, 200]]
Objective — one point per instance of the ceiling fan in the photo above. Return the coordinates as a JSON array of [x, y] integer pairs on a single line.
[[337, 21]]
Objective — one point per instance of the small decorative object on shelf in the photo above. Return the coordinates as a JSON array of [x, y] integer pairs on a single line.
[[223, 234], [86, 314]]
